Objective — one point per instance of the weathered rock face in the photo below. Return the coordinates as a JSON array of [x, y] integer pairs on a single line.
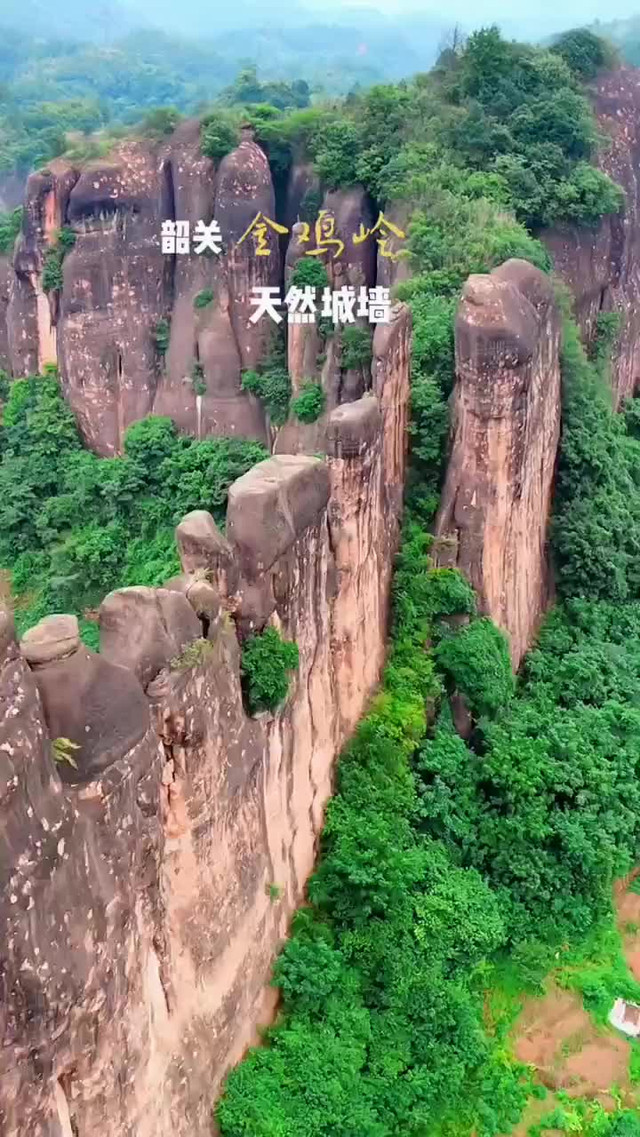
[[602, 265], [505, 427], [135, 331], [6, 277], [143, 898], [79, 872], [31, 312], [218, 337], [101, 326]]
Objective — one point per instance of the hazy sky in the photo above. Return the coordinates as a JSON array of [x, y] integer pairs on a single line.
[[550, 13], [574, 11]]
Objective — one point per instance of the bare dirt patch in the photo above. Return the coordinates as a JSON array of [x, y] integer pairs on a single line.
[[556, 1036], [628, 915]]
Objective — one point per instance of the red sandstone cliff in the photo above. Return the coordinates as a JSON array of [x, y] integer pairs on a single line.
[[601, 265], [144, 895], [505, 427]]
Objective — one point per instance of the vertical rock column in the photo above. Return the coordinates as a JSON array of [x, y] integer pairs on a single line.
[[32, 313], [504, 437], [367, 448]]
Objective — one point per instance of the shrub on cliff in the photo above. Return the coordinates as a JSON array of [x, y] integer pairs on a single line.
[[271, 381], [309, 404], [267, 661], [160, 122], [52, 277], [203, 298], [356, 348], [273, 387], [218, 135], [160, 335], [309, 272], [476, 662]]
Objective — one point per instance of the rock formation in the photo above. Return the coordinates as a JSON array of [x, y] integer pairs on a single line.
[[6, 277], [127, 327], [504, 435], [148, 882], [601, 265], [101, 326]]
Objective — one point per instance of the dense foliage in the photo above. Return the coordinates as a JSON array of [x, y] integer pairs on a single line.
[[309, 403], [439, 855], [596, 532], [267, 661], [496, 122], [9, 228], [271, 382], [73, 526]]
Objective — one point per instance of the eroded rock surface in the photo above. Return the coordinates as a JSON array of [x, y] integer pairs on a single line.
[[505, 429], [144, 897], [601, 264]]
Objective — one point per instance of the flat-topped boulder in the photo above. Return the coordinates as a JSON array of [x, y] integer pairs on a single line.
[[271, 506], [353, 428], [56, 637]]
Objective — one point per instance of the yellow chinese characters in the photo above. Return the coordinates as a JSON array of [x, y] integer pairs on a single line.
[[259, 227], [325, 235], [386, 231]]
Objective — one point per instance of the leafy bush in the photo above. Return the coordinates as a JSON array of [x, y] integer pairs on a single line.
[[193, 655], [273, 386], [160, 122], [203, 299], [335, 147], [52, 277], [65, 238], [198, 380], [476, 661], [267, 660], [10, 224], [309, 271], [5, 386], [309, 404], [356, 347], [218, 136], [160, 335]]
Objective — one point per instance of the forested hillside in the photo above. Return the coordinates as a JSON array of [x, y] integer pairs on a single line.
[[455, 876]]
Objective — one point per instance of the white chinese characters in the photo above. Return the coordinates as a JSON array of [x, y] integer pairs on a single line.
[[175, 237], [340, 305]]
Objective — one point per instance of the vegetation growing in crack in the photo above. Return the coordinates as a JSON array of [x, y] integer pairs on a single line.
[[52, 277], [267, 662], [310, 402]]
